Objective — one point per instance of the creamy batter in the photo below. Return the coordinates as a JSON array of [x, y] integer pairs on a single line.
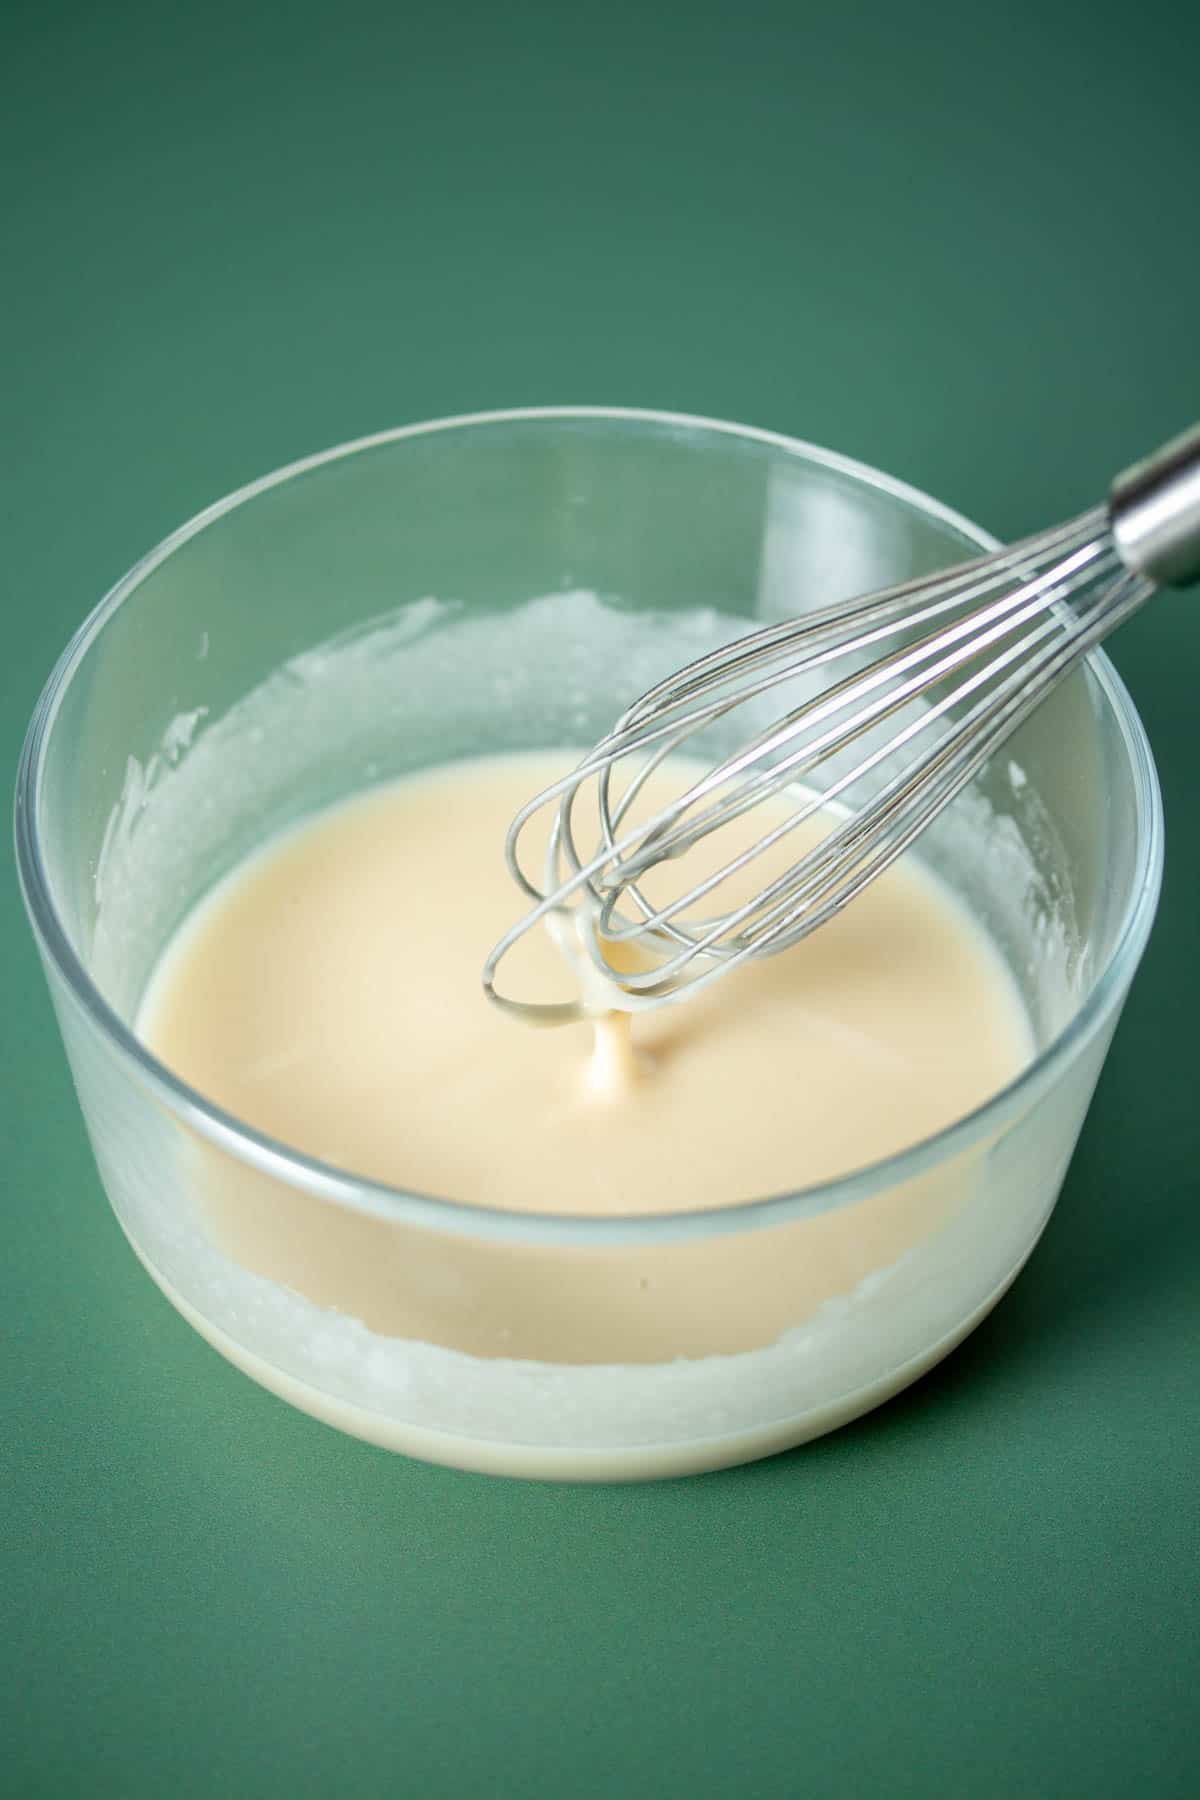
[[329, 993]]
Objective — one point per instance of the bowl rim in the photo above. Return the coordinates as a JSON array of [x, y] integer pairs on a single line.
[[461, 1218]]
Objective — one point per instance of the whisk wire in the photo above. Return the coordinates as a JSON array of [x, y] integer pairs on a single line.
[[852, 849]]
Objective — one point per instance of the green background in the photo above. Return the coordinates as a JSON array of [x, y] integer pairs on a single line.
[[961, 243]]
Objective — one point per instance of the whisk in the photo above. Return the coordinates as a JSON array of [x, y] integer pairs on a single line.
[[915, 688]]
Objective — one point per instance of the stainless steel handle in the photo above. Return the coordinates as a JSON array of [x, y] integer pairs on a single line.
[[1155, 511]]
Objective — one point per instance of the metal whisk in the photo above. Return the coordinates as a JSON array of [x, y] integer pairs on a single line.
[[905, 694]]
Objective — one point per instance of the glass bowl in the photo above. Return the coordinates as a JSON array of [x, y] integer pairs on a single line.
[[509, 581]]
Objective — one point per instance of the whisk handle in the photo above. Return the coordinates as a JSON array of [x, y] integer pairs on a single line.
[[1155, 511]]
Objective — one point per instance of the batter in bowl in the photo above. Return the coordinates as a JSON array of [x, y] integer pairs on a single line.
[[328, 993]]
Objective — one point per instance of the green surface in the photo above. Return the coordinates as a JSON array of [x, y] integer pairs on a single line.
[[959, 243]]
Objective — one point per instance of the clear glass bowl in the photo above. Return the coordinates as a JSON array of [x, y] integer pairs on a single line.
[[367, 612]]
